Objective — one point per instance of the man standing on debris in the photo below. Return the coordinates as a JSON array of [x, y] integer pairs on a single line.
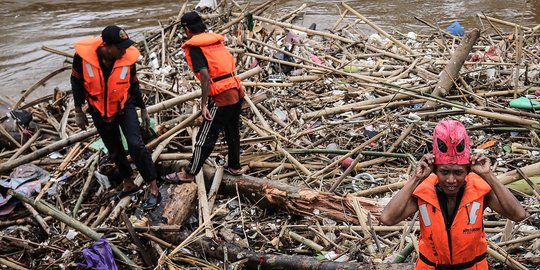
[[104, 74], [221, 99], [451, 189]]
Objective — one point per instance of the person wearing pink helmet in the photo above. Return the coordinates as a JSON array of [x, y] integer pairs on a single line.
[[451, 189]]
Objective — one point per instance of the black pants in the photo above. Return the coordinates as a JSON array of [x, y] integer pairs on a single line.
[[110, 134], [226, 118]]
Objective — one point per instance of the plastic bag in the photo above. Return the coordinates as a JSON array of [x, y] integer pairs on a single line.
[[99, 256]]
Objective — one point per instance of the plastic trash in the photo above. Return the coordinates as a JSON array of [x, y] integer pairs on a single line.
[[315, 59], [294, 36], [154, 63], [375, 39], [281, 115], [332, 146], [455, 29], [346, 163], [351, 69], [25, 179], [99, 256], [411, 39], [524, 103], [71, 234], [210, 4], [103, 180]]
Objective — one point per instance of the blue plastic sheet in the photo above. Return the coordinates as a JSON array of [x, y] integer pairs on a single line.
[[455, 29], [99, 256]]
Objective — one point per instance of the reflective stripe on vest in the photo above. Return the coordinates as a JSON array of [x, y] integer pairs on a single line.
[[472, 215], [124, 72], [424, 214], [89, 70]]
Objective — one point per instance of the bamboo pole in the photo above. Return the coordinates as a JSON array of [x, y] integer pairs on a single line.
[[25, 146], [514, 25], [93, 162], [500, 254], [377, 28], [278, 145], [32, 88]]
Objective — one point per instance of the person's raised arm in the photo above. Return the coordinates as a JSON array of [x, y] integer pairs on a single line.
[[403, 204], [500, 199]]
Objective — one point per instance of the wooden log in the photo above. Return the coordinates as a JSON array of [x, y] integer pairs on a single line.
[[451, 71], [269, 261], [299, 200]]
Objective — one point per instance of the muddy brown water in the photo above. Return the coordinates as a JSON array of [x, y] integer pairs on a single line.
[[25, 26]]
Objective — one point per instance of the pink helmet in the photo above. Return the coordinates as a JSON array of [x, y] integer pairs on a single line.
[[451, 144]]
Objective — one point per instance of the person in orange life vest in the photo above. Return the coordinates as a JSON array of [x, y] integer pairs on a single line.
[[451, 189], [104, 74], [221, 98]]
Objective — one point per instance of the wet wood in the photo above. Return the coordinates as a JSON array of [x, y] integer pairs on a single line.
[[270, 261], [299, 200]]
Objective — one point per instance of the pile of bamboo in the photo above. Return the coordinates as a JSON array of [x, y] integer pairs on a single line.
[[333, 123]]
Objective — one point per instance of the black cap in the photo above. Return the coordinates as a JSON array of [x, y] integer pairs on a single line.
[[191, 19], [113, 34]]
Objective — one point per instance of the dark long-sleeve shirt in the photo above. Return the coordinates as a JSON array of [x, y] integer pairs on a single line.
[[77, 83]]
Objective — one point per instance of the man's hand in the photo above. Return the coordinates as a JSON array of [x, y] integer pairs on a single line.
[[206, 114], [145, 117], [81, 120], [480, 164], [424, 167]]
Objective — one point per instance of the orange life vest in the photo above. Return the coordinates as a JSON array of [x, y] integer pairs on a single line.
[[464, 245], [221, 63], [107, 97]]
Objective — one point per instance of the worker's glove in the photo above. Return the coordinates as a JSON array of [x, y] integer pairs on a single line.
[[145, 119], [81, 120]]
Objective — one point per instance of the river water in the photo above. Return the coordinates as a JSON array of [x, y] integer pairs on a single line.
[[25, 26]]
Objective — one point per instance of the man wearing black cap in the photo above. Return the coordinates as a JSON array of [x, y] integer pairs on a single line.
[[221, 97], [104, 74]]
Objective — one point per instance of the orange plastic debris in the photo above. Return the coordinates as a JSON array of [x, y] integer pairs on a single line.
[[487, 144]]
